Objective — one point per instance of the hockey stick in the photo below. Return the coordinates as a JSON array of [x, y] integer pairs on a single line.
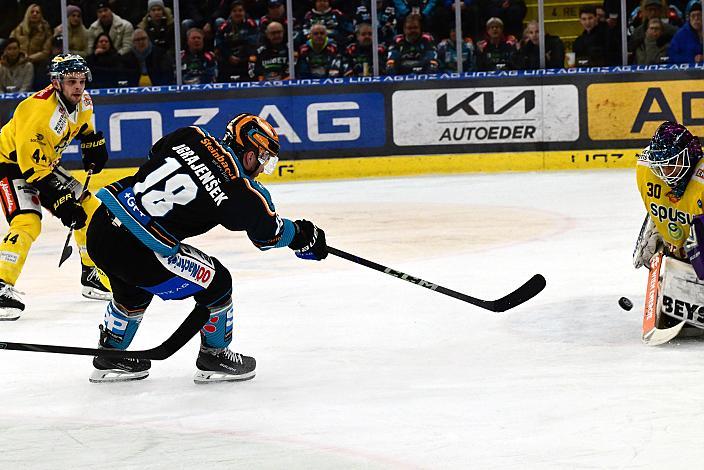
[[68, 249], [526, 292], [190, 326], [652, 335]]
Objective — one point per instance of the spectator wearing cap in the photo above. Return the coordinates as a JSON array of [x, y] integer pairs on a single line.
[[236, 42], [651, 9], [34, 36], [197, 65], [119, 30], [413, 51], [510, 12], [386, 15], [654, 48], [686, 46], [147, 64], [271, 62], [276, 11], [158, 23], [497, 50], [16, 72], [339, 27], [79, 40]]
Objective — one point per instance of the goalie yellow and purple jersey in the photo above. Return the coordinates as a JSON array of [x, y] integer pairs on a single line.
[[40, 130], [672, 216]]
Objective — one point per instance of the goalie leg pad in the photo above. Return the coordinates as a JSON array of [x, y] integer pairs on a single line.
[[682, 293]]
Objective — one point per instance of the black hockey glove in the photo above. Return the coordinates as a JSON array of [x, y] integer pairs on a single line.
[[70, 212], [309, 241], [55, 196], [94, 151]]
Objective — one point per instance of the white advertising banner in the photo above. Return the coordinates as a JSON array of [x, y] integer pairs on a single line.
[[492, 115]]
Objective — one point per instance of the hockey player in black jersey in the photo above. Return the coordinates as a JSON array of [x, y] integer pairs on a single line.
[[191, 183]]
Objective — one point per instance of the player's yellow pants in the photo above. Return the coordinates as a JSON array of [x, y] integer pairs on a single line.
[[24, 229]]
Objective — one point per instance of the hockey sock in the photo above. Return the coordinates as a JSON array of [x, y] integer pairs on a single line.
[[217, 333], [120, 326]]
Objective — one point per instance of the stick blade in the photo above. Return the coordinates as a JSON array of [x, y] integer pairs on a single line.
[[66, 254], [657, 336], [527, 291]]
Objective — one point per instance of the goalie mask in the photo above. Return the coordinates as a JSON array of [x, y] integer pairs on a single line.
[[249, 132], [672, 154]]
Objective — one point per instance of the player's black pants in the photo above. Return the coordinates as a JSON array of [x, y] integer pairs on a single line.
[[131, 267]]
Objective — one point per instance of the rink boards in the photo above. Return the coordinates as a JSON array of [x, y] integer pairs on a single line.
[[387, 126]]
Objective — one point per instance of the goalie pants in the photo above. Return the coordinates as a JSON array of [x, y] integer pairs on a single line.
[[22, 204], [137, 273]]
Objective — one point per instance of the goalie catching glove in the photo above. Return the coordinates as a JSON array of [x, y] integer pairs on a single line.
[[309, 241], [94, 151], [648, 244]]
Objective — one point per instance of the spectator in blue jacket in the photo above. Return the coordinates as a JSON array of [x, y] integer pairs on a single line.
[[686, 46]]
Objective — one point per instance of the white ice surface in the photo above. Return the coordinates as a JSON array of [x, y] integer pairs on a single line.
[[357, 369]]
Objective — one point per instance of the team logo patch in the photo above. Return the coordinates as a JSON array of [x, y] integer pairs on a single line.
[[9, 257], [8, 198], [191, 264]]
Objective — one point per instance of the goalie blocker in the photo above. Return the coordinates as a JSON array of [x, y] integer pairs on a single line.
[[674, 302]]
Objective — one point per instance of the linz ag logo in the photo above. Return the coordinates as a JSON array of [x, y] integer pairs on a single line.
[[488, 104]]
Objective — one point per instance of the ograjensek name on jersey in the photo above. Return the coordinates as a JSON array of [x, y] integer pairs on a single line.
[[206, 177]]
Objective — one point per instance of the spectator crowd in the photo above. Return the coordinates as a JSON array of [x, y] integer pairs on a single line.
[[131, 42]]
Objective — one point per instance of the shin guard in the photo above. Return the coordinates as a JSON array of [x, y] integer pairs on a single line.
[[217, 333], [119, 326]]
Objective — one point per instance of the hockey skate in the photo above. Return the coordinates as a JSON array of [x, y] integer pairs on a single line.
[[93, 287], [117, 369], [223, 365], [11, 306], [113, 369]]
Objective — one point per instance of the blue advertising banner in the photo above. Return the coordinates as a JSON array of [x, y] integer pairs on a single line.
[[303, 122]]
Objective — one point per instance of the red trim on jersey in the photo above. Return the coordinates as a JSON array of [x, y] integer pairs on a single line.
[[45, 93]]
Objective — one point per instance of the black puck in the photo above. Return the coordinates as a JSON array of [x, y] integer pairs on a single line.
[[625, 303]]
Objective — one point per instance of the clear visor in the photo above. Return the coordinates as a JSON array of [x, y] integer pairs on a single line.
[[670, 170], [268, 160]]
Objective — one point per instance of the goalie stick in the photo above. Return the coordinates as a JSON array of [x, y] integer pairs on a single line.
[[652, 335], [527, 291], [190, 326]]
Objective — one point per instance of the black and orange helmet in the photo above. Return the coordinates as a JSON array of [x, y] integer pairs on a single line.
[[250, 132]]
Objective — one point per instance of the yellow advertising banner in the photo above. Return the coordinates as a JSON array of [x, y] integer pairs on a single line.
[[624, 111]]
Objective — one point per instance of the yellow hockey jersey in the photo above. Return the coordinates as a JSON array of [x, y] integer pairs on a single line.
[[672, 216], [40, 130]]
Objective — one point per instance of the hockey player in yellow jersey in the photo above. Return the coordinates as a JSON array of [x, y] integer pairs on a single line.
[[670, 176], [31, 145]]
